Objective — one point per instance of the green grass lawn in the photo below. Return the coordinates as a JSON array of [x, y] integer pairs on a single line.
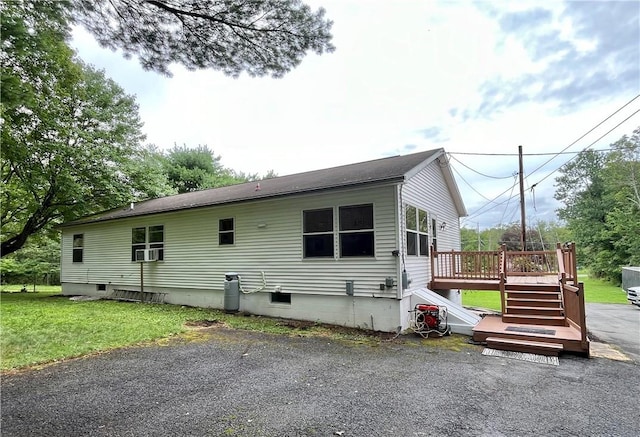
[[595, 291], [42, 327]]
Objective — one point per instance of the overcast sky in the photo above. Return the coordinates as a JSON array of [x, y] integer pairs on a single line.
[[409, 76]]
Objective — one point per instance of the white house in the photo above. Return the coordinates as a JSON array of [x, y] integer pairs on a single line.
[[347, 245]]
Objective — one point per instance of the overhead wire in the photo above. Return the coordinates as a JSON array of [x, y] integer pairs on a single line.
[[591, 130], [469, 185], [478, 172], [509, 200], [586, 148], [482, 208], [517, 154]]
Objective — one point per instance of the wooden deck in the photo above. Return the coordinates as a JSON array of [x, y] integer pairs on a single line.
[[541, 299], [489, 284]]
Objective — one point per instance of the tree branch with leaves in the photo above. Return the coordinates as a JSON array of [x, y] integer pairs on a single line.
[[259, 37]]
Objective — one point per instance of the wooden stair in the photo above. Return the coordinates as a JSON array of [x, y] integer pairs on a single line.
[[534, 321], [534, 304], [527, 346]]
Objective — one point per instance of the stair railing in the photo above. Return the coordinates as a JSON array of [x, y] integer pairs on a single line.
[[502, 274], [572, 295]]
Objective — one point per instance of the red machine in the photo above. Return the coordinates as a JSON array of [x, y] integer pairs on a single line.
[[429, 319]]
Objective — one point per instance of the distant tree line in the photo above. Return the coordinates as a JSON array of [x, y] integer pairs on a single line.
[[541, 236]]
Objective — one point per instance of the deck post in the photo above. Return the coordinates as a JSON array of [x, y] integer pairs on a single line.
[[433, 266], [453, 264], [502, 293], [583, 317], [574, 264]]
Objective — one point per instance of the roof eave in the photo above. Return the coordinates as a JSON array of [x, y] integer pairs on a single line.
[[386, 181]]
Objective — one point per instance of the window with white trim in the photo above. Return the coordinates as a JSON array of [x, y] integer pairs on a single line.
[[317, 233], [411, 229], [151, 237], [417, 231], [434, 234], [226, 232], [356, 231], [78, 248], [354, 235], [423, 232]]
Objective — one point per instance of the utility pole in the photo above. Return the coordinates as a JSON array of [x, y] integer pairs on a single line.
[[523, 236]]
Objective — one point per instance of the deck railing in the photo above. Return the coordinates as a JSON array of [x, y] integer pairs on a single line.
[[572, 294], [485, 265], [533, 263], [488, 265]]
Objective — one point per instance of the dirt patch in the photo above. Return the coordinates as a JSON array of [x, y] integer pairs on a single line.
[[203, 323], [302, 325]]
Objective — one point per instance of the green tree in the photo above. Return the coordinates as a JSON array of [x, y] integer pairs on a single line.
[[600, 194], [38, 261], [260, 37], [193, 169], [71, 138]]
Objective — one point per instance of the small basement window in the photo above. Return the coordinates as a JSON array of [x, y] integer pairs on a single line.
[[101, 287], [281, 298]]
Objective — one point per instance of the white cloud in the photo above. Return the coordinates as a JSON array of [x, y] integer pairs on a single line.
[[399, 70]]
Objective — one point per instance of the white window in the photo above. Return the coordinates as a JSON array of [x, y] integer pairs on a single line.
[[356, 231], [151, 237], [417, 231], [355, 234], [226, 232], [317, 233], [78, 248]]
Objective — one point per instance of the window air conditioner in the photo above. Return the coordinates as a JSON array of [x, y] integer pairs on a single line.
[[152, 255], [140, 255], [147, 255]]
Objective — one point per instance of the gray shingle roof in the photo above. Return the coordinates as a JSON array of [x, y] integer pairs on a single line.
[[392, 169]]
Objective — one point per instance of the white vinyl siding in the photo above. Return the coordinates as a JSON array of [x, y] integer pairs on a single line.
[[428, 191], [267, 237]]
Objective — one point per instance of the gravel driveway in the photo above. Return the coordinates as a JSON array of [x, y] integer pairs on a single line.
[[234, 383]]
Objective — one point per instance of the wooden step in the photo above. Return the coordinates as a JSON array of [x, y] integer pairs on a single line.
[[527, 319], [532, 287], [534, 311], [549, 295], [526, 346], [550, 303]]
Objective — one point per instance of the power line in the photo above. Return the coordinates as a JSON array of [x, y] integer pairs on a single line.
[[516, 154], [470, 186], [591, 130], [482, 208], [509, 201], [583, 150], [476, 171]]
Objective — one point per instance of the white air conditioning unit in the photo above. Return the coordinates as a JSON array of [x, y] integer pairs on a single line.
[[152, 255], [147, 255]]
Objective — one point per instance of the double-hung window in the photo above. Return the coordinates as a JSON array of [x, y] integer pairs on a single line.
[[317, 233], [78, 247], [226, 232], [354, 232], [151, 237], [417, 230], [423, 232], [434, 234]]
